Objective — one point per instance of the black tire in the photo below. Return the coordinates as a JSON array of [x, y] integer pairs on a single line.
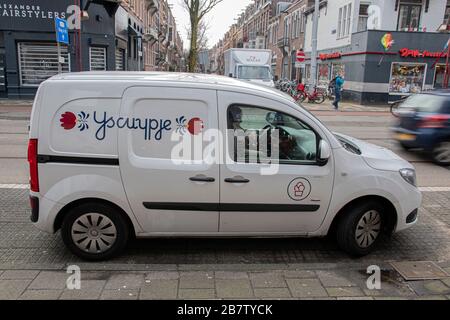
[[119, 222], [320, 98], [404, 146], [437, 149], [347, 227]]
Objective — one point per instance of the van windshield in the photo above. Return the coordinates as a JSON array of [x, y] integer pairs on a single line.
[[254, 72]]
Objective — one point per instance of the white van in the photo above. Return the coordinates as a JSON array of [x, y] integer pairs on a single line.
[[104, 165]]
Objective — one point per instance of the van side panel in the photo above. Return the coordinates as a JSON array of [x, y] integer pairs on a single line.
[[77, 146]]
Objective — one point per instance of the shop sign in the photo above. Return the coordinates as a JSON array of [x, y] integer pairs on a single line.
[[415, 53], [328, 56], [35, 15]]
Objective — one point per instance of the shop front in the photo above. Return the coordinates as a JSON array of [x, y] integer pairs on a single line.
[[375, 74], [28, 50]]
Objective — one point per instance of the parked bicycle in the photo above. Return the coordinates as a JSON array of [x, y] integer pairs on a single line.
[[303, 94]]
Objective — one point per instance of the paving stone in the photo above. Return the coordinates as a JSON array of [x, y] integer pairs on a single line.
[[267, 280], [432, 287], [19, 275], [90, 290], [40, 295], [298, 274], [344, 292], [159, 289], [332, 279], [120, 294], [12, 289], [125, 281], [274, 293], [391, 298], [162, 275], [50, 280], [355, 298], [446, 281], [196, 294], [431, 298], [197, 280], [224, 275], [303, 288], [234, 289]]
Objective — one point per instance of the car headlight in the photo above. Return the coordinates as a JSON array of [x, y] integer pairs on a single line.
[[409, 175]]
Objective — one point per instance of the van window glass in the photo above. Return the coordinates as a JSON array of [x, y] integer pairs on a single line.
[[256, 127]]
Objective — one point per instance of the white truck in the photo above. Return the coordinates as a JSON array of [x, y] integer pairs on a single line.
[[252, 65]]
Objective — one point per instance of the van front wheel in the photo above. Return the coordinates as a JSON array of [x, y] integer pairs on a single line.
[[360, 228], [94, 231]]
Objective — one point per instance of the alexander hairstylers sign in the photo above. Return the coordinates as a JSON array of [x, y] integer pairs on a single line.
[[36, 15]]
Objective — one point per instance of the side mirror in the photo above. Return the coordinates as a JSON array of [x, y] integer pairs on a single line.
[[324, 150]]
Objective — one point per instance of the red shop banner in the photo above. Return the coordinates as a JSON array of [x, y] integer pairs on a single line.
[[415, 53]]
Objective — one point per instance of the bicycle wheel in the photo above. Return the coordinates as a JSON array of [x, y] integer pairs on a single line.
[[301, 97], [319, 98]]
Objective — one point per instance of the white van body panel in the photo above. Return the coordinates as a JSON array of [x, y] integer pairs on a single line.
[[148, 172], [138, 178]]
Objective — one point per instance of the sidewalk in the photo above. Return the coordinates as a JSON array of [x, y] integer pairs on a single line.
[[305, 281], [346, 107]]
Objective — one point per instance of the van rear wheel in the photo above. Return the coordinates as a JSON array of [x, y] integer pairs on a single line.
[[359, 230], [95, 231]]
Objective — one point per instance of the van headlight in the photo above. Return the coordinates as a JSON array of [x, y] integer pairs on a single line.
[[409, 175]]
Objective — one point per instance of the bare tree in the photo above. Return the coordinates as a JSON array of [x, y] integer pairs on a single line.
[[197, 10], [202, 37]]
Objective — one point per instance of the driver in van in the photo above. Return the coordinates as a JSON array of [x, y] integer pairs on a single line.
[[235, 118]]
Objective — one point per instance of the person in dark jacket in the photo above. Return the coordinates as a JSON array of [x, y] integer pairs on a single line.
[[339, 82]]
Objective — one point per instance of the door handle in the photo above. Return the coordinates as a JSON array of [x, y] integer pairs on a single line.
[[237, 180], [202, 179]]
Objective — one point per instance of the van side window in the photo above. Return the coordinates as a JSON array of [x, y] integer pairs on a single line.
[[254, 128]]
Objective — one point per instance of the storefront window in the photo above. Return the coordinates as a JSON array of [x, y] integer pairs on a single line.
[[439, 74], [337, 68], [407, 78], [39, 61], [324, 74]]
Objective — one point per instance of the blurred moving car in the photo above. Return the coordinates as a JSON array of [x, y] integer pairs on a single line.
[[424, 122]]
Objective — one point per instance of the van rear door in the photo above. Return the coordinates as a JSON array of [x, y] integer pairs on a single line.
[[171, 188]]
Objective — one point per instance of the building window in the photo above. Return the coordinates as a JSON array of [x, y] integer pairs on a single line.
[[407, 78], [120, 59], [97, 59], [409, 16], [344, 21], [39, 61], [363, 17], [447, 13], [439, 74], [323, 74]]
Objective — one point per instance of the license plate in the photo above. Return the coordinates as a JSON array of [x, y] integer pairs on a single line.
[[405, 137]]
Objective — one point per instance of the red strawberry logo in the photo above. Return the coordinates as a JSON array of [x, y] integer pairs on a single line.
[[68, 120]]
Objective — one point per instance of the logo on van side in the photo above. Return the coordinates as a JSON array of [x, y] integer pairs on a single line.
[[69, 120], [153, 128]]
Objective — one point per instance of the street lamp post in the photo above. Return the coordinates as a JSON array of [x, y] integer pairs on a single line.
[[315, 29]]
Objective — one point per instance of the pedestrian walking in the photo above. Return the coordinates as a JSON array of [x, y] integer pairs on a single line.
[[339, 82]]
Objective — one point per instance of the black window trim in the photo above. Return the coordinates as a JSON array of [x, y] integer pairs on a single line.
[[283, 162]]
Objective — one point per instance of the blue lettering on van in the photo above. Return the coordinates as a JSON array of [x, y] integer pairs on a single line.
[[153, 128]]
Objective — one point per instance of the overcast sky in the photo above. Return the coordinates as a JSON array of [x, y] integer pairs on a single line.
[[219, 19]]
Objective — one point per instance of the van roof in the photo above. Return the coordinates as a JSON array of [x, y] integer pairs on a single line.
[[187, 78]]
